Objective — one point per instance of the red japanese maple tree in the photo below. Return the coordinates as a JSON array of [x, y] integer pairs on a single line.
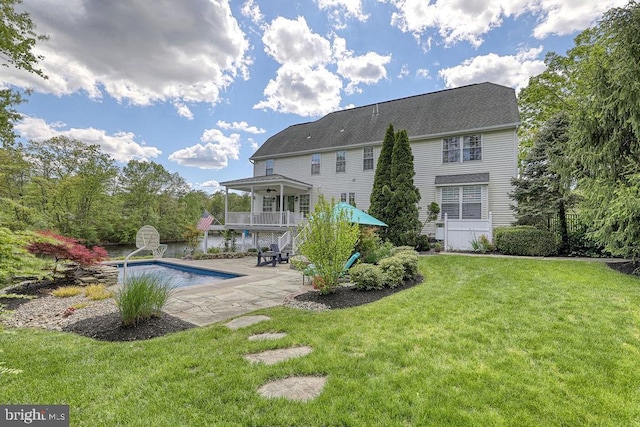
[[66, 248]]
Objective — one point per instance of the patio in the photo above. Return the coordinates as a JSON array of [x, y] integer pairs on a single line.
[[257, 288]]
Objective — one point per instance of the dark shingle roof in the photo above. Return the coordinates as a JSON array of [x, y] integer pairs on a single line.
[[473, 107], [462, 179]]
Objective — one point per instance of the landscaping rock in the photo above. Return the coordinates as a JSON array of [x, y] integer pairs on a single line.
[[271, 357], [294, 388], [245, 321]]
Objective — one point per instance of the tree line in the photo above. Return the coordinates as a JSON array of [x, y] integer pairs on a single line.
[[580, 138], [77, 190]]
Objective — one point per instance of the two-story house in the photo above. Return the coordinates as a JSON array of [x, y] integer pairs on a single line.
[[464, 143]]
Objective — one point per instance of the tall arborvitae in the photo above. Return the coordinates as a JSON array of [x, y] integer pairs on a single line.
[[379, 199], [402, 208]]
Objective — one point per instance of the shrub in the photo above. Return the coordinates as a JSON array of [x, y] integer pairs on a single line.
[[97, 292], [525, 240], [367, 277], [368, 245], [214, 250], [399, 249], [393, 271], [327, 240], [382, 252], [422, 243], [409, 263], [142, 297], [482, 244], [252, 251], [67, 291]]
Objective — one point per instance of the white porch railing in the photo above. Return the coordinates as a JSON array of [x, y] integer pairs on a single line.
[[284, 240], [459, 233], [283, 218]]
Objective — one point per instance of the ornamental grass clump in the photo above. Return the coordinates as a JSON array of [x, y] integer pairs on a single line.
[[67, 291], [142, 297], [97, 292]]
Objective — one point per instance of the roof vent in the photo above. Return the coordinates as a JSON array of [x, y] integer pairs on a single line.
[[309, 136], [376, 111]]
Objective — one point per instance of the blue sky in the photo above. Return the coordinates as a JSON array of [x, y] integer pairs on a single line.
[[198, 85]]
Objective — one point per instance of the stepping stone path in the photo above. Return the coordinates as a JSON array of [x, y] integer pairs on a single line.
[[294, 388], [242, 322], [267, 336], [271, 357]]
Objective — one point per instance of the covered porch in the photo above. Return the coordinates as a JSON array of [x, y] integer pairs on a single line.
[[277, 203]]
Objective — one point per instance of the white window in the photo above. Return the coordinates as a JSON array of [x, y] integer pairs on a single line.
[[367, 158], [267, 203], [451, 150], [461, 202], [304, 204], [454, 152], [472, 148], [341, 161], [450, 204], [269, 167], [348, 198], [315, 164]]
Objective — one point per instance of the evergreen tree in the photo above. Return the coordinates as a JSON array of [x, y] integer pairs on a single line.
[[605, 138], [402, 209], [543, 190], [379, 199]]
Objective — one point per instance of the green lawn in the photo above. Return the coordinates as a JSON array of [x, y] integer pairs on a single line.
[[483, 341]]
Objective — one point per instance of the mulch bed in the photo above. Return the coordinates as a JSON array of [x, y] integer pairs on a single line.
[[109, 328], [626, 267], [349, 296]]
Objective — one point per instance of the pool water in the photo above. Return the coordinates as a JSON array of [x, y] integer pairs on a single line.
[[180, 276]]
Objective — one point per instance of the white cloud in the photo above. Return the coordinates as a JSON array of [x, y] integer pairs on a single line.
[[304, 84], [214, 154], [302, 90], [404, 71], [422, 73], [242, 126], [292, 41], [183, 110], [253, 144], [341, 10], [137, 52], [121, 145], [458, 21], [564, 17], [252, 11], [368, 69], [211, 186], [510, 70]]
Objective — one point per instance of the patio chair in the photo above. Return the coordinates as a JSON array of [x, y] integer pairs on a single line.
[[282, 257], [266, 259], [310, 271]]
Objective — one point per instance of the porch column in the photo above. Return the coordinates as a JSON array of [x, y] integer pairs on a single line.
[[251, 213], [281, 202]]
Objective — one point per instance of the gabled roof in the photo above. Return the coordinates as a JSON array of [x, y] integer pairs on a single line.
[[475, 107]]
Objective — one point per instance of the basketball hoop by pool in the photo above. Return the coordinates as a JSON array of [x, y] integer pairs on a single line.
[[180, 275]]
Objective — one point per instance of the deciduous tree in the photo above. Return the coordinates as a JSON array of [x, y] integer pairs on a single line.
[[17, 40]]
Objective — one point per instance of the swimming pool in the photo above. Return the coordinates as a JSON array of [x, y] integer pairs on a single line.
[[180, 275]]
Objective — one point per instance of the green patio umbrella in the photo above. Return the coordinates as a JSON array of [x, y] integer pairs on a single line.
[[358, 216]]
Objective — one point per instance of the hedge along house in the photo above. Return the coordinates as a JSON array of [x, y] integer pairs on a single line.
[[465, 149]]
